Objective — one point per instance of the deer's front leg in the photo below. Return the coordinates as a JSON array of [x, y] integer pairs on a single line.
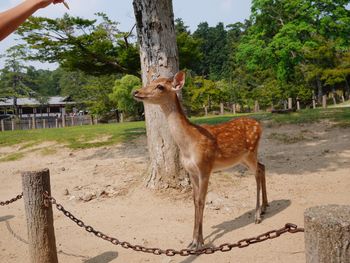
[[200, 193]]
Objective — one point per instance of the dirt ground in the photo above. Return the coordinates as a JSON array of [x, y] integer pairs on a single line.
[[307, 165]]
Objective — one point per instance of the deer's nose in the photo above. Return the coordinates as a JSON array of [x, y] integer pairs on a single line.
[[135, 92]]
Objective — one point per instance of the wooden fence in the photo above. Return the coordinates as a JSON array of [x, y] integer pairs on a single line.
[[288, 105], [45, 122]]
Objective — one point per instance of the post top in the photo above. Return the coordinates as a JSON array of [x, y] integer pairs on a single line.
[[329, 215]]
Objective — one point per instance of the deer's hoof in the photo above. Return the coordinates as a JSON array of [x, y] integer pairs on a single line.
[[258, 220], [196, 245]]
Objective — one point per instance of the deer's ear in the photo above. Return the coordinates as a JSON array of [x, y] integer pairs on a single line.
[[179, 81]]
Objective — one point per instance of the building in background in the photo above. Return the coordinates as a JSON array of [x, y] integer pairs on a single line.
[[31, 107]]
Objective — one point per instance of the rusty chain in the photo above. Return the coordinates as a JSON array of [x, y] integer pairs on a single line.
[[288, 228], [11, 200]]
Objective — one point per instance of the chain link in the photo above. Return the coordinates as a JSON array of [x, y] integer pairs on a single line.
[[11, 200], [288, 228]]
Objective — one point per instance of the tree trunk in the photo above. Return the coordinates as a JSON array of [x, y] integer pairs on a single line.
[[159, 57]]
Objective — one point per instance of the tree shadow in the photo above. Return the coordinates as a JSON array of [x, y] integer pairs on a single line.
[[9, 228], [323, 149], [103, 258], [247, 218], [5, 218]]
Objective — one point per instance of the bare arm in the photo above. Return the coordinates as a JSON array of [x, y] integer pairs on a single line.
[[11, 19]]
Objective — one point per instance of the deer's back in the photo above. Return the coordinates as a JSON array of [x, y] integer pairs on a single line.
[[236, 137]]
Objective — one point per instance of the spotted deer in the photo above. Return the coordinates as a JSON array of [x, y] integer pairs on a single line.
[[207, 148]]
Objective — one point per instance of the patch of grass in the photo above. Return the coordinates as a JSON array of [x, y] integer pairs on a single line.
[[12, 157], [287, 139], [81, 137], [78, 137], [48, 151]]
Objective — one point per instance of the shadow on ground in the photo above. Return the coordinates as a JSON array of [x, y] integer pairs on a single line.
[[247, 218], [103, 258], [5, 218]]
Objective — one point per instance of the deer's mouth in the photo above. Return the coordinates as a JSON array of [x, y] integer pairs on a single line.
[[139, 97]]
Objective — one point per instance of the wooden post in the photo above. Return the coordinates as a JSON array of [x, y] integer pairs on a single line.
[[44, 123], [33, 122], [91, 120], [121, 117], [290, 103], [324, 101], [313, 103], [342, 98], [72, 120], [327, 234], [2, 125], [221, 108], [234, 108], [13, 124], [56, 123], [298, 103], [206, 110], [41, 235], [63, 120]]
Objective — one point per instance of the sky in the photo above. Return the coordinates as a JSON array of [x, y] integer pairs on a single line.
[[192, 12]]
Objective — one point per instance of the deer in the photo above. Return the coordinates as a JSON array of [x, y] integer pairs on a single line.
[[207, 148]]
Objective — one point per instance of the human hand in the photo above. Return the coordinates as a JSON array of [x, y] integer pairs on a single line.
[[44, 3]]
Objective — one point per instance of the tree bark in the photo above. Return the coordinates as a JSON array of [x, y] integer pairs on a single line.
[[159, 57]]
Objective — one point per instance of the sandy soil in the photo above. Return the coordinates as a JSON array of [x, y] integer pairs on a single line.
[[306, 166]]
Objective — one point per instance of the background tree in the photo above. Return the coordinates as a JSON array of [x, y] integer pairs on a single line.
[[122, 95], [96, 47]]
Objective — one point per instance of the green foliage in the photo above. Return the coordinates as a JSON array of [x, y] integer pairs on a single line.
[[96, 47], [122, 95]]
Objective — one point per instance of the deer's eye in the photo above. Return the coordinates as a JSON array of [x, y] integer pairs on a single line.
[[160, 87]]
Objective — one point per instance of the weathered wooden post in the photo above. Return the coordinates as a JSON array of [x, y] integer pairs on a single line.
[[2, 125], [41, 235], [91, 120], [290, 103], [221, 108], [342, 98], [298, 104], [313, 103], [63, 120], [56, 123], [44, 123], [33, 122], [121, 117], [13, 124], [205, 110], [327, 234], [324, 101]]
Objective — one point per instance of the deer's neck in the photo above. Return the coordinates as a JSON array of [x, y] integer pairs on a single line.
[[180, 127]]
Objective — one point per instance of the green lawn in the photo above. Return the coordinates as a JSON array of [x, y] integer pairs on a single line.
[[339, 115], [77, 137], [80, 137]]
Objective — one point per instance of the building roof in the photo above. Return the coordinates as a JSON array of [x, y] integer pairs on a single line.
[[34, 102]]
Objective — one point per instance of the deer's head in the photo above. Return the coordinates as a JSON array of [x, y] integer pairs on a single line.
[[161, 90]]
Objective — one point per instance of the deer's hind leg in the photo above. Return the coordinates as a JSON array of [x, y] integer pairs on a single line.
[[261, 171], [252, 164]]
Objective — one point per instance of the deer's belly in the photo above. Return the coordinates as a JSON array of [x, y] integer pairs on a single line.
[[224, 163]]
